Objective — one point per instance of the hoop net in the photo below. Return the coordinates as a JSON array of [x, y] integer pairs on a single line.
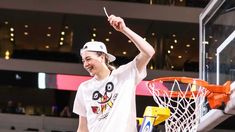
[[184, 97]]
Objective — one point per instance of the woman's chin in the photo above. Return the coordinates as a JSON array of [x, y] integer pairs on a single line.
[[91, 74]]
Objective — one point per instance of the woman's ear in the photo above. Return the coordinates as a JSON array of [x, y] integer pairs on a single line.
[[103, 57]]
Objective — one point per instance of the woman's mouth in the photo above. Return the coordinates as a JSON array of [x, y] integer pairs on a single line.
[[89, 69]]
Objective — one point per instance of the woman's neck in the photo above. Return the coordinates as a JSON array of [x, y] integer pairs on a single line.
[[103, 74]]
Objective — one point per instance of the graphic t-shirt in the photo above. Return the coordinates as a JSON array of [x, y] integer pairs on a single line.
[[109, 105]]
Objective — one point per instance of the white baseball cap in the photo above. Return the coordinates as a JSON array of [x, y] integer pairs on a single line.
[[97, 46]]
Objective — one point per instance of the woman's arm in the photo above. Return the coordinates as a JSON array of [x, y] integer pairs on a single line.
[[146, 50], [82, 125]]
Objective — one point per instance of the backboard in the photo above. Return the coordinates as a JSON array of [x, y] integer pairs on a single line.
[[217, 54], [217, 42]]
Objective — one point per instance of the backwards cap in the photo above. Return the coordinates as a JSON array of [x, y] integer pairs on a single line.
[[97, 46]]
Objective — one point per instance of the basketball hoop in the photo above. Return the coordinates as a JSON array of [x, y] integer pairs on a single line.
[[185, 98]]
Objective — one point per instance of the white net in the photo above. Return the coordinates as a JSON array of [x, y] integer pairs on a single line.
[[185, 101]]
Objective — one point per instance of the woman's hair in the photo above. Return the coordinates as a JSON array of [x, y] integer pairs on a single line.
[[110, 67]]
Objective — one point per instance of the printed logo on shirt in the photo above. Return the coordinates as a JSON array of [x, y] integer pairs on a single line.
[[104, 100]]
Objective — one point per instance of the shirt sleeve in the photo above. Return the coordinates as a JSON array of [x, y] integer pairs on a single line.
[[79, 106], [140, 75], [131, 69]]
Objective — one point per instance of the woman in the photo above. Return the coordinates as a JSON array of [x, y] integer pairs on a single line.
[[106, 102]]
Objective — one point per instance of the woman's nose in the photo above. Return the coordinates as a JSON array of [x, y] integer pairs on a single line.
[[85, 63]]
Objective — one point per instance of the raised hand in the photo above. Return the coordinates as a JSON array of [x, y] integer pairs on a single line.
[[117, 23]]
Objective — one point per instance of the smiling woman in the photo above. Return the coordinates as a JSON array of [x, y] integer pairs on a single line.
[[102, 99]]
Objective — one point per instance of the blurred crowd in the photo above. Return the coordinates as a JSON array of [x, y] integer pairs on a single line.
[[54, 110]]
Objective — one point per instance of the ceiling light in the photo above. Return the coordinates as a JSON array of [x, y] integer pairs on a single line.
[[216, 40], [6, 22], [26, 26], [49, 28], [94, 35], [47, 46], [61, 38], [173, 35], [48, 35], [124, 52], [129, 41], [62, 33], [12, 39], [66, 27], [175, 41], [172, 67], [12, 29], [180, 57], [107, 39], [110, 32], [188, 45], [94, 29], [153, 34], [26, 33], [7, 53], [168, 51], [92, 40], [172, 47], [145, 39], [193, 38], [210, 37], [61, 43], [12, 34], [7, 57], [151, 67]]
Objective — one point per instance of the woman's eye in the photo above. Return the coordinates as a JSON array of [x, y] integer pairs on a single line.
[[85, 60]]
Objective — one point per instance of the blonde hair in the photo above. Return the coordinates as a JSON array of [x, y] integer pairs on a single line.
[[110, 67]]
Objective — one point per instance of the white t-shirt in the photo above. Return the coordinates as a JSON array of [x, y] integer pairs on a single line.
[[109, 105]]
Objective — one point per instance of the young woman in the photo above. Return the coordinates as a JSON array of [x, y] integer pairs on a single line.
[[106, 103]]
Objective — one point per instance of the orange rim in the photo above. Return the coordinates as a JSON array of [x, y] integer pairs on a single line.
[[217, 95], [183, 80]]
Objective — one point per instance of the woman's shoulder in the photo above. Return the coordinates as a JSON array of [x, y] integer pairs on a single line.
[[86, 83], [126, 66]]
